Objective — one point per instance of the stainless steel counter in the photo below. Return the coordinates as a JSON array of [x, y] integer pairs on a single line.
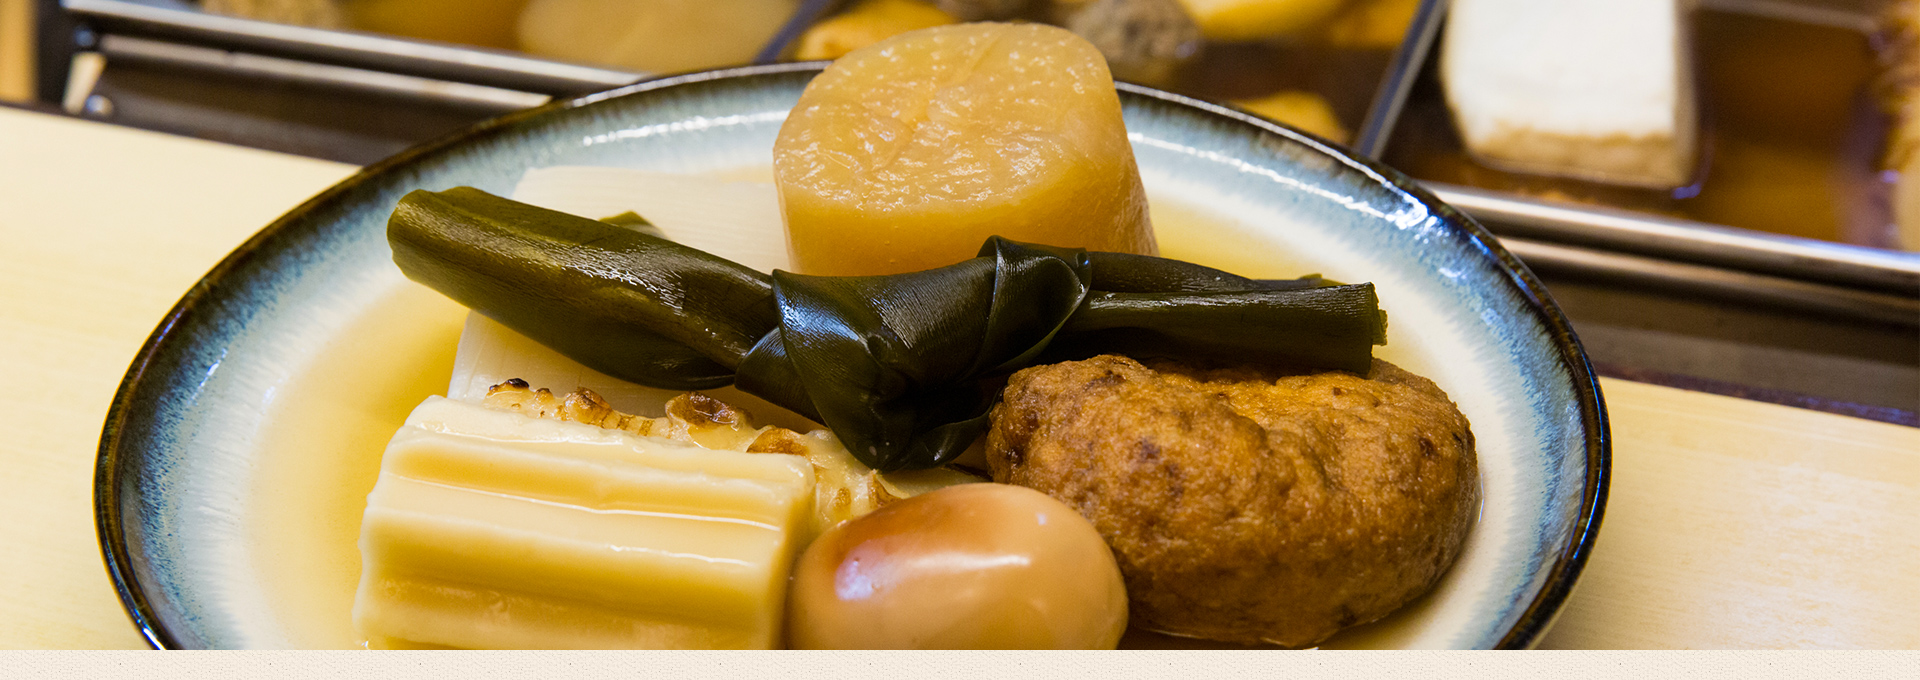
[[1811, 323]]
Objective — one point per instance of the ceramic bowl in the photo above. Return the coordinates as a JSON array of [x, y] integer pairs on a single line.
[[182, 441]]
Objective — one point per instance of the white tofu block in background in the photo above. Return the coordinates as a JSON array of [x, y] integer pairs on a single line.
[[1600, 90]]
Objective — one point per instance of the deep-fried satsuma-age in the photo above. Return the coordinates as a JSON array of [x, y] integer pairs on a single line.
[[1249, 508]]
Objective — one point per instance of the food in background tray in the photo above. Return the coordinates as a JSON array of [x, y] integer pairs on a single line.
[[1336, 50], [1899, 88], [1304, 110], [866, 23], [1237, 20], [1144, 41], [1792, 130], [656, 36], [984, 10], [483, 23], [1318, 71], [316, 13], [1370, 24], [487, 23], [1593, 89]]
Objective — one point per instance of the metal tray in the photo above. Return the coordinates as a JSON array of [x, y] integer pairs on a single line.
[[1833, 323], [1805, 274], [351, 49], [1851, 281]]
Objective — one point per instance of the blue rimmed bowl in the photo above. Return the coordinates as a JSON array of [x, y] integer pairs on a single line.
[[175, 484]]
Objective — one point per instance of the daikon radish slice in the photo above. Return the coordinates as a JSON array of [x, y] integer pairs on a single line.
[[908, 153]]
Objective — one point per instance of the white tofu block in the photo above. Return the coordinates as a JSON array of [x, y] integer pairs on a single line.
[[1600, 90], [490, 354]]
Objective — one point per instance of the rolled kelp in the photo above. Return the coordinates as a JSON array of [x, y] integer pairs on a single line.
[[903, 367]]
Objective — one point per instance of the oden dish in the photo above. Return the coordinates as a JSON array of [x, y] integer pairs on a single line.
[[187, 421], [1345, 519]]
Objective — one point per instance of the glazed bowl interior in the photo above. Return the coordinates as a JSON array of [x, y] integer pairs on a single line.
[[175, 482]]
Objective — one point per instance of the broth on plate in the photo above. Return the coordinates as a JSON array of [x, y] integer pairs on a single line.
[[320, 454]]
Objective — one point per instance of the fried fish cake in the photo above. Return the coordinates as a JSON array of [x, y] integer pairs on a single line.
[[1249, 508]]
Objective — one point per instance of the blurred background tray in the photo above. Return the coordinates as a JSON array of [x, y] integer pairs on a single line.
[[1714, 287]]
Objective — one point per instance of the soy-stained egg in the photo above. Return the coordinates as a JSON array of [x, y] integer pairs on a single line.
[[975, 566]]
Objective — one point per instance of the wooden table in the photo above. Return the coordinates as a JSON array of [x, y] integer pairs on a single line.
[[1732, 523]]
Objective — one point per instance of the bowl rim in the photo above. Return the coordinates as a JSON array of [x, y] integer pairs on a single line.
[[1525, 632]]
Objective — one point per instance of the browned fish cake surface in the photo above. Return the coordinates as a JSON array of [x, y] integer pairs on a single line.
[[1243, 507]]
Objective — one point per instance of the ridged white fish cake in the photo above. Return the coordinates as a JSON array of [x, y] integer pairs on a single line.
[[490, 529]]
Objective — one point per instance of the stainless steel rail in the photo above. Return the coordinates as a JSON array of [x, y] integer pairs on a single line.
[[120, 47], [1717, 283], [1698, 242], [349, 48]]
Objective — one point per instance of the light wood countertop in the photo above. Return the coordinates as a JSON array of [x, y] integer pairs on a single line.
[[1731, 523]]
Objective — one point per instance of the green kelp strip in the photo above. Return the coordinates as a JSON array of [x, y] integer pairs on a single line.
[[903, 368]]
